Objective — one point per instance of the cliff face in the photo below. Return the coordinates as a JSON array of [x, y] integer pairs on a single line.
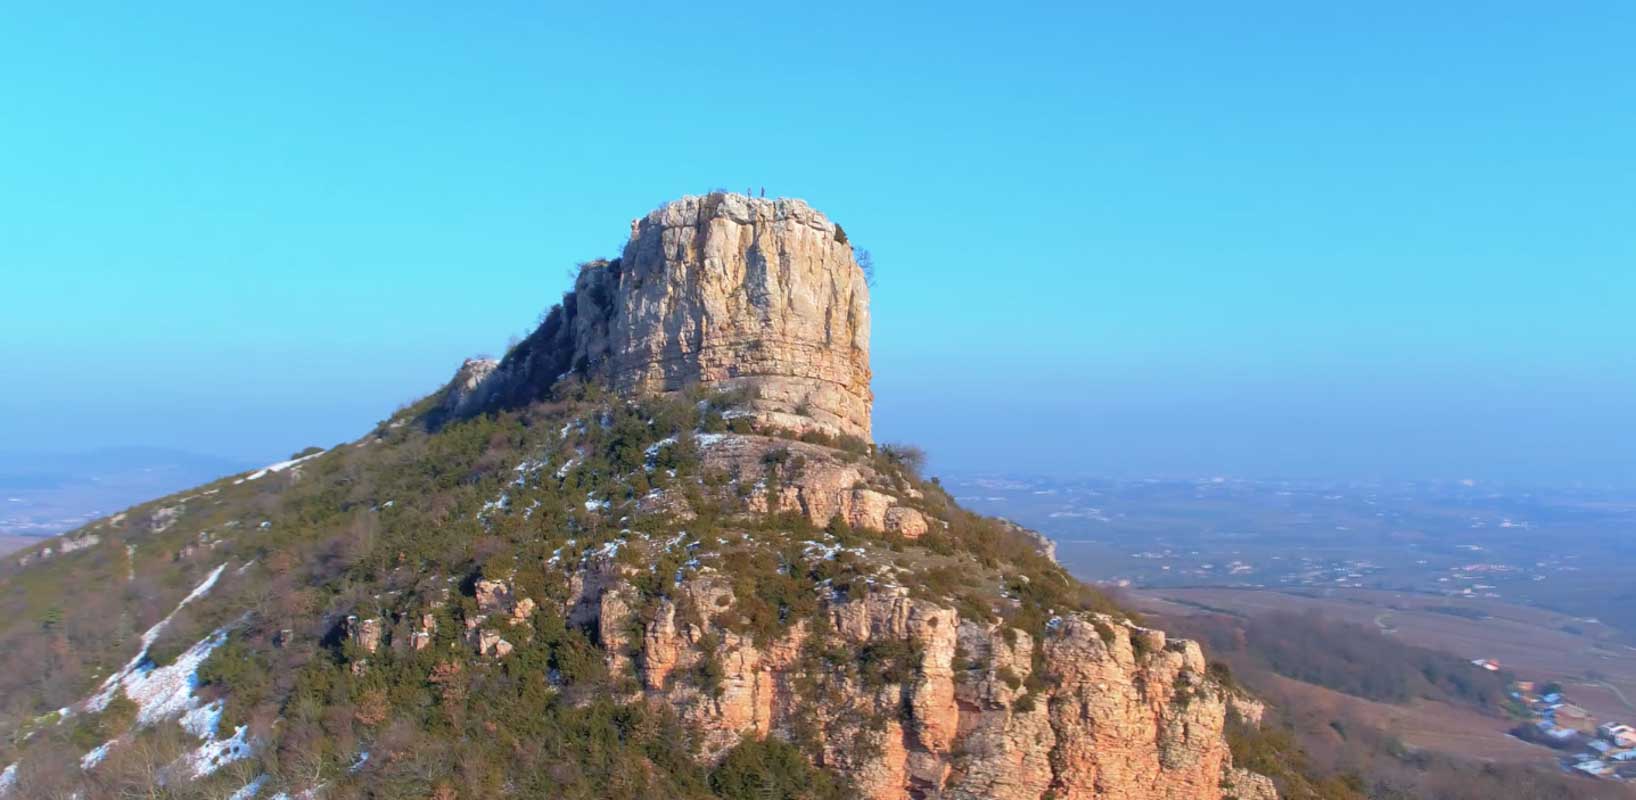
[[1092, 708], [728, 291], [720, 291]]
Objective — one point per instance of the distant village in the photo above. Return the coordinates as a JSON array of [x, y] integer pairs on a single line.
[[1606, 750]]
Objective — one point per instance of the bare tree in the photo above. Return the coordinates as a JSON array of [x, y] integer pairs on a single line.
[[866, 262]]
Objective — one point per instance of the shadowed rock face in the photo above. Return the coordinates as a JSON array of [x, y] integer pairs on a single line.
[[721, 290]]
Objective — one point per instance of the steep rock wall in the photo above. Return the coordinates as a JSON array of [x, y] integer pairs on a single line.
[[1116, 711], [720, 290]]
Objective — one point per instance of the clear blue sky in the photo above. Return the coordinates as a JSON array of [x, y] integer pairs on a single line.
[[1251, 238]]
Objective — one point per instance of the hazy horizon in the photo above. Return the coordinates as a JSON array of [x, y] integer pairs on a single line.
[[1279, 241]]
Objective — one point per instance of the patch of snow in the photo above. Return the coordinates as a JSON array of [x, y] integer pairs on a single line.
[[568, 466], [593, 504], [309, 794], [825, 552], [8, 780], [651, 454], [202, 721], [100, 700], [170, 691], [249, 790], [164, 692], [216, 753], [279, 467], [526, 470], [363, 758], [96, 755]]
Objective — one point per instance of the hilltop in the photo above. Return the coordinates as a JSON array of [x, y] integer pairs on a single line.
[[652, 551]]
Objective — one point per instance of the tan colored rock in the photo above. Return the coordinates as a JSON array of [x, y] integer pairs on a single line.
[[907, 522], [1242, 784], [662, 648], [737, 291], [1121, 711], [1246, 709], [827, 485], [729, 291], [586, 587], [365, 633], [496, 597], [523, 609], [463, 388], [421, 637], [490, 643], [493, 597], [720, 290]]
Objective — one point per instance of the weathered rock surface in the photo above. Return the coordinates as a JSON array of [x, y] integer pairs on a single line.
[[365, 633], [891, 689], [720, 290], [1118, 711], [1242, 784], [819, 483], [464, 386]]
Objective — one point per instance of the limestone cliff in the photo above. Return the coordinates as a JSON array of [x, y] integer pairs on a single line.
[[728, 291], [721, 290], [1091, 707]]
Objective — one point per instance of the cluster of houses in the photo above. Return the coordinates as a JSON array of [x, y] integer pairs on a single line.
[[1607, 750]]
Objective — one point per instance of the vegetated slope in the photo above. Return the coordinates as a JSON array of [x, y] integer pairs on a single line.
[[1344, 742], [589, 597], [650, 552]]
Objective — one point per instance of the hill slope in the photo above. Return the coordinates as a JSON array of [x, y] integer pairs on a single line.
[[535, 583]]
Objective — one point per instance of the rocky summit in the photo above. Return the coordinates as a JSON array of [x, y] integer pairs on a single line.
[[723, 291], [651, 552]]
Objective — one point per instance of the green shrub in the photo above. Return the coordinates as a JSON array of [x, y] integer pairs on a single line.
[[770, 769]]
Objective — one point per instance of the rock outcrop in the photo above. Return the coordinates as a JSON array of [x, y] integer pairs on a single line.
[[464, 386], [723, 291], [1092, 707], [364, 633], [886, 683], [771, 476]]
